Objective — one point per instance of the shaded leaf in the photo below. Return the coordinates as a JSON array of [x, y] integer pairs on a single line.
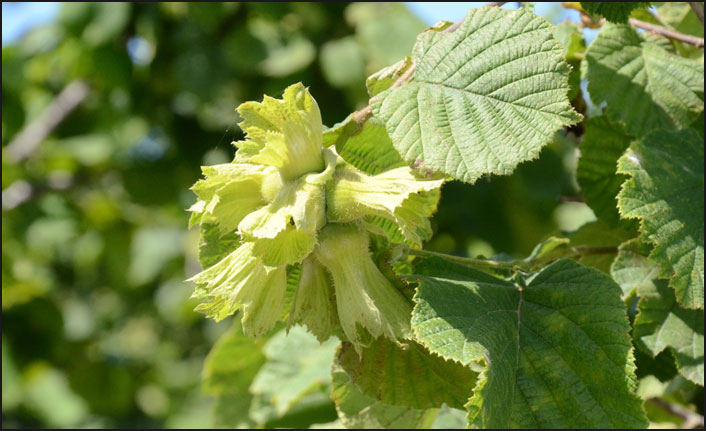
[[602, 145], [357, 410], [661, 323], [632, 270], [614, 11], [666, 191], [643, 85], [555, 344], [228, 370], [407, 375]]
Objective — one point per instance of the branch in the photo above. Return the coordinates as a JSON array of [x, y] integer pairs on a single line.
[[670, 34], [698, 10], [364, 114], [27, 141]]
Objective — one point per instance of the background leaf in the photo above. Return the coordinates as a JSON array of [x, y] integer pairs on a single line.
[[228, 370], [297, 364]]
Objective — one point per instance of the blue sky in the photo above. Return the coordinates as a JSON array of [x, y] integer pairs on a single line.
[[18, 17]]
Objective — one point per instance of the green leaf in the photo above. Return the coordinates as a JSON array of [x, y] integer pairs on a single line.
[[614, 11], [228, 370], [231, 364], [666, 191], [213, 247], [602, 145], [297, 364], [357, 410], [555, 344], [661, 323], [680, 17], [482, 99], [632, 270], [370, 150], [384, 78], [407, 375], [341, 131], [643, 85]]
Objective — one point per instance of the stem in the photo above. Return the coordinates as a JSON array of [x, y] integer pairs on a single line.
[[670, 34], [464, 260], [698, 10], [571, 253]]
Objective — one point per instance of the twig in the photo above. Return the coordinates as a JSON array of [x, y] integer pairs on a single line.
[[691, 419], [698, 10], [670, 34], [361, 116], [27, 140], [587, 21]]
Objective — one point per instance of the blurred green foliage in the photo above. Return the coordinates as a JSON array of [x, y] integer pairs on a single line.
[[98, 327]]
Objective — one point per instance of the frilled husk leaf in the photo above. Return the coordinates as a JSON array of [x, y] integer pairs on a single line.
[[315, 301], [396, 195], [368, 305], [242, 281], [285, 134]]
